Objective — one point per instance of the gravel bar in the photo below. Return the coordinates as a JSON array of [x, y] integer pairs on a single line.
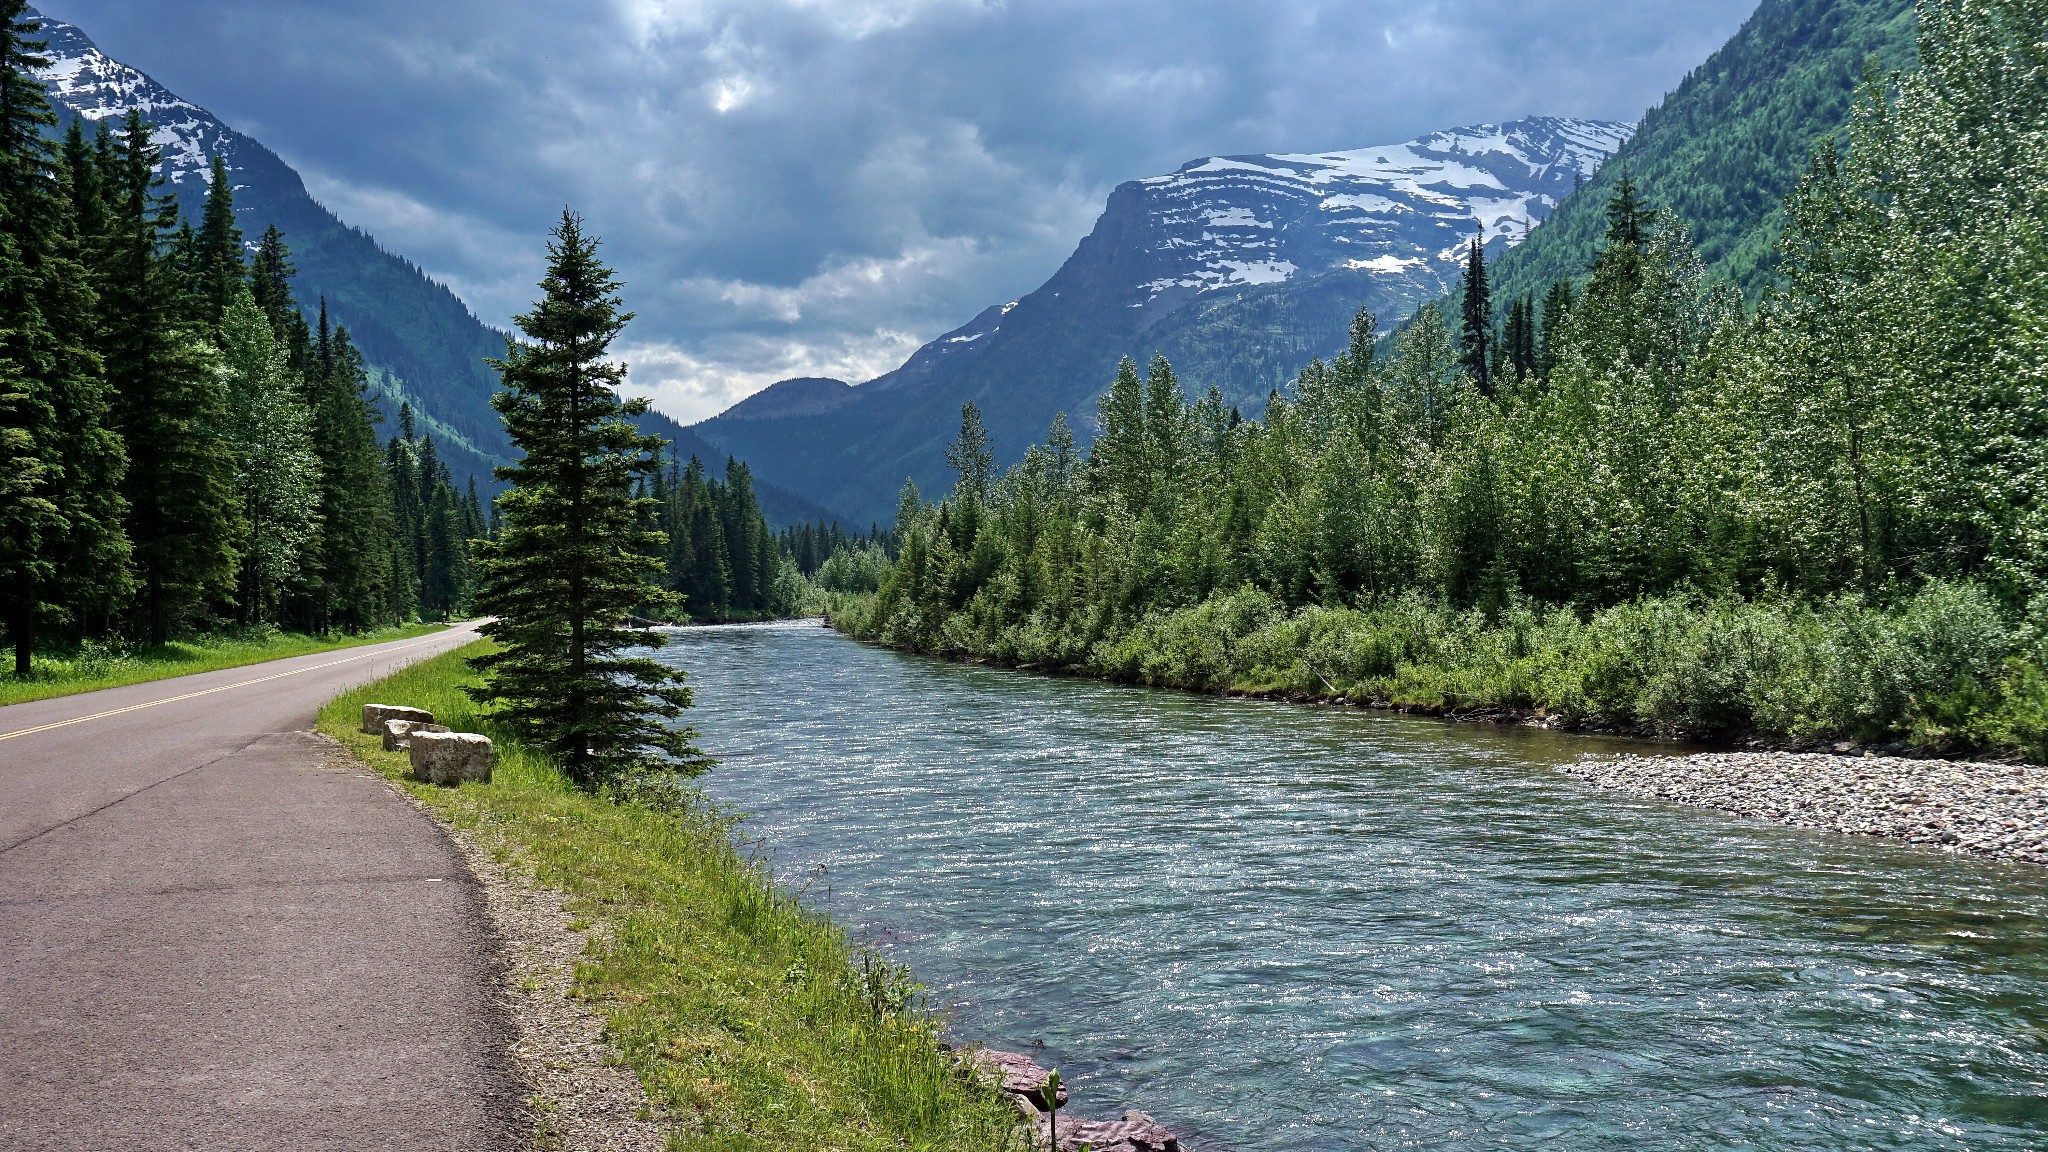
[[1997, 810]]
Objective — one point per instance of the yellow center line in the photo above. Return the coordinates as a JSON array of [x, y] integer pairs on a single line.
[[223, 688]]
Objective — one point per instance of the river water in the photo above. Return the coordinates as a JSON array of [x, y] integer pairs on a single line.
[[1285, 927]]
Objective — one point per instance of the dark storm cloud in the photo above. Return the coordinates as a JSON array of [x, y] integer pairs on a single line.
[[817, 186]]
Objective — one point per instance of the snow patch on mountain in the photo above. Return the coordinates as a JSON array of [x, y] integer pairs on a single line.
[[1224, 222], [93, 86]]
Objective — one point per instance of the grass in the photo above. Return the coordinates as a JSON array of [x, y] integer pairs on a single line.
[[96, 666], [752, 1021]]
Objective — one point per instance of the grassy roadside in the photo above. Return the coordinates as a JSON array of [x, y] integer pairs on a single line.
[[95, 667], [752, 1022]]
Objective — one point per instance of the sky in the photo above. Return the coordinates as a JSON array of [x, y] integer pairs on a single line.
[[817, 187]]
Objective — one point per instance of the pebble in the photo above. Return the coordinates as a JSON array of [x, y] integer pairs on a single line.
[[1995, 810]]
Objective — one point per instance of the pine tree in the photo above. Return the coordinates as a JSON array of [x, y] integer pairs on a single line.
[[1557, 305], [570, 563], [170, 406], [31, 473], [1630, 222], [1476, 332], [700, 568], [355, 495], [271, 280], [218, 267], [972, 457]]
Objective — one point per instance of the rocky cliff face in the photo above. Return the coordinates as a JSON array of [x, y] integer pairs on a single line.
[[1239, 269]]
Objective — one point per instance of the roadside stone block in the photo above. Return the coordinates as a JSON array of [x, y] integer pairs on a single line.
[[451, 757], [374, 716], [398, 733]]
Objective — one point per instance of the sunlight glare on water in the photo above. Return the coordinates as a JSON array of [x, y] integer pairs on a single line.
[[1284, 927]]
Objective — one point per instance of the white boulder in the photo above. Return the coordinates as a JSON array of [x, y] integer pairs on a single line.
[[451, 757], [374, 716], [398, 733]]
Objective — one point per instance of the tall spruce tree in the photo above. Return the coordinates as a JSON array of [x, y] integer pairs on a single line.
[[571, 563], [355, 495], [93, 550], [29, 471], [217, 258], [171, 404], [53, 444], [270, 279], [1475, 334]]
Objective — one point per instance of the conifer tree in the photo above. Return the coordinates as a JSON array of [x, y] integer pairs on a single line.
[[355, 497], [270, 278], [972, 457], [570, 564], [31, 468], [218, 267], [93, 550], [1474, 335], [170, 403]]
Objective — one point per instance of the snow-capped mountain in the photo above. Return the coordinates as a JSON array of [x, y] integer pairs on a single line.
[[1240, 269], [1225, 221], [89, 84]]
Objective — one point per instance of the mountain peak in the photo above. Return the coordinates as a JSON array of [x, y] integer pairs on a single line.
[[1231, 221]]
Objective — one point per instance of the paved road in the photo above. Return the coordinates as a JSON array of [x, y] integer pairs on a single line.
[[214, 936]]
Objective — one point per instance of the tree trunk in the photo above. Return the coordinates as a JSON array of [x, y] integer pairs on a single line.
[[22, 623]]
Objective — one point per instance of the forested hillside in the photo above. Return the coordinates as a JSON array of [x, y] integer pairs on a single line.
[[1822, 520], [1727, 145], [422, 347], [182, 448]]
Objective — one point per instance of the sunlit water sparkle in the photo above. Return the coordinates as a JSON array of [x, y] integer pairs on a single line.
[[1279, 927]]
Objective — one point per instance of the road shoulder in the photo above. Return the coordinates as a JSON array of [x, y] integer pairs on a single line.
[[582, 1097]]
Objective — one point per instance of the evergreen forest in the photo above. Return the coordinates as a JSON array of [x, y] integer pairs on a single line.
[[1629, 501], [183, 452]]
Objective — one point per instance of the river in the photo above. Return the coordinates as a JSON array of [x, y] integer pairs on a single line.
[[1281, 927]]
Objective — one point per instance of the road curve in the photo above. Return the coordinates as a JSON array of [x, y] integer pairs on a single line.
[[215, 935]]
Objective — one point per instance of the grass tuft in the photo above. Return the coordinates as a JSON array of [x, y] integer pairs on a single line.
[[752, 1021]]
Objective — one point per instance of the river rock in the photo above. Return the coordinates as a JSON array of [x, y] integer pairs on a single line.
[[1136, 1132], [1998, 810], [398, 733], [451, 757], [1015, 1073], [374, 716]]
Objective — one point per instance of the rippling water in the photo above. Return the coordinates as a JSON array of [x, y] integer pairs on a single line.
[[1283, 927]]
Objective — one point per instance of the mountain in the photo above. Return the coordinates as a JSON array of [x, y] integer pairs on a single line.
[[1238, 268], [1726, 146], [423, 344]]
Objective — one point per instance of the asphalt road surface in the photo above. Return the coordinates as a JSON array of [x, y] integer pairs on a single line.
[[214, 934]]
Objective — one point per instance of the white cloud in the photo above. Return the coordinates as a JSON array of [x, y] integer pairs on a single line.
[[815, 186]]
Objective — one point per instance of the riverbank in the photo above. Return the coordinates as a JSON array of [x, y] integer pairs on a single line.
[[1993, 810], [748, 1020], [97, 666], [1943, 672]]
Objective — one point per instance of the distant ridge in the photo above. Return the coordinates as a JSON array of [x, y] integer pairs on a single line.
[[1238, 268]]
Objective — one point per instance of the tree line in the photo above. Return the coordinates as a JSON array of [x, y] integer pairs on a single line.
[[182, 449], [180, 444], [718, 554], [1864, 450]]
